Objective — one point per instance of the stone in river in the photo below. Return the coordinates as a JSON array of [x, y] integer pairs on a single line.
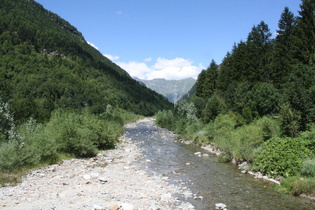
[[220, 206]]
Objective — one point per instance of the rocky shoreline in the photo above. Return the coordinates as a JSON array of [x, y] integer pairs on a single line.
[[110, 180]]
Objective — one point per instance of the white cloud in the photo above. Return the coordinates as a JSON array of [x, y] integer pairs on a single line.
[[93, 45], [119, 12], [112, 57], [148, 59], [178, 68], [135, 69]]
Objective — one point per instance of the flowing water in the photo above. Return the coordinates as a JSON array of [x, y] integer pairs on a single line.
[[205, 176]]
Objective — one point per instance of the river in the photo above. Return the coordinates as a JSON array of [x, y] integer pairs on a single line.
[[209, 181]]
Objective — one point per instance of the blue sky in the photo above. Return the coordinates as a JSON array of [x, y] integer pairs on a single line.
[[170, 39]]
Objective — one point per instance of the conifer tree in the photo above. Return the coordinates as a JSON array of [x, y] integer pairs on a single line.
[[305, 33], [260, 53], [284, 47], [207, 81]]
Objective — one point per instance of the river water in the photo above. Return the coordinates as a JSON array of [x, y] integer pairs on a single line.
[[205, 176]]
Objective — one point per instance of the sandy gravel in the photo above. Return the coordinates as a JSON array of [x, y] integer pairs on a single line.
[[111, 180]]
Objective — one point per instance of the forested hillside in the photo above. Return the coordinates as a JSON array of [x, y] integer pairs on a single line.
[[45, 63], [258, 105]]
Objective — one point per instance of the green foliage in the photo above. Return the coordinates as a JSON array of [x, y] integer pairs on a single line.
[[284, 48], [67, 133], [281, 156], [200, 104], [206, 84], [222, 132], [46, 64], [215, 105], [270, 127], [305, 43], [264, 99], [290, 120], [7, 126], [166, 119], [241, 141], [308, 168], [298, 185]]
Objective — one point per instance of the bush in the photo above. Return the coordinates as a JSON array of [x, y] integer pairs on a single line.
[[247, 139], [39, 146], [223, 132], [166, 119], [9, 156], [308, 168], [270, 127], [298, 185], [310, 136], [72, 135], [66, 132], [290, 120], [82, 135], [281, 156]]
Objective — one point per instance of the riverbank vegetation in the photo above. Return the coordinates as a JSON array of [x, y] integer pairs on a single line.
[[67, 134], [258, 104]]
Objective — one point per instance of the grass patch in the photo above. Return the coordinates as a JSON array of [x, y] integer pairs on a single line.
[[297, 186]]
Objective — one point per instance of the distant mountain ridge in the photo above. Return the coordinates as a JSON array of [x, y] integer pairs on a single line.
[[173, 90]]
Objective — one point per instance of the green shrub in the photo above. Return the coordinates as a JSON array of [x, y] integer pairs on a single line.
[[72, 136], [181, 125], [247, 138], [281, 156], [290, 120], [214, 106], [308, 168], [310, 136], [82, 135], [298, 185], [166, 119], [223, 132], [38, 142], [270, 127], [9, 155]]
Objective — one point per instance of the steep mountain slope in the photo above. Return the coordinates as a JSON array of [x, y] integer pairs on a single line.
[[173, 90], [45, 63]]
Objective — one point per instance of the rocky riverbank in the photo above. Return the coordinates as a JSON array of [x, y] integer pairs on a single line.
[[110, 180]]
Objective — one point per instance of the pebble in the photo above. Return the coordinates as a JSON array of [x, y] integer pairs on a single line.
[[97, 207], [87, 177], [197, 153], [220, 206]]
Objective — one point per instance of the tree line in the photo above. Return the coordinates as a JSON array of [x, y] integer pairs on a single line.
[[258, 105]]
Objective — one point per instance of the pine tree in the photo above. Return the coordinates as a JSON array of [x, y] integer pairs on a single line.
[[207, 81], [260, 53], [305, 33], [284, 47]]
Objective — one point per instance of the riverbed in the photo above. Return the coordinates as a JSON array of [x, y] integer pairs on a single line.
[[147, 170], [209, 181]]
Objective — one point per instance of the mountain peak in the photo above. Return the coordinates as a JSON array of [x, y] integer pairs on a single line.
[[173, 90]]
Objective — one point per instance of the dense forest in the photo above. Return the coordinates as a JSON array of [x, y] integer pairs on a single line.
[[59, 96], [45, 63], [258, 105]]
